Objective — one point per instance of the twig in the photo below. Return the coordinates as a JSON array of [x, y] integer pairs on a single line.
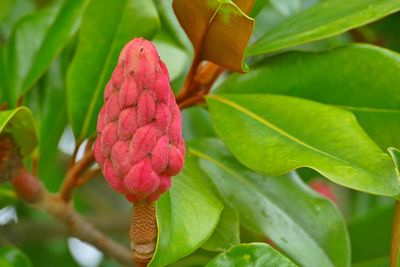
[[87, 176], [89, 144], [73, 156], [187, 85], [31, 190], [394, 250], [190, 102], [73, 174]]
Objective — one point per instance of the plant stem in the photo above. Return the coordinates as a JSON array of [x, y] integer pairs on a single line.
[[187, 85], [73, 174], [394, 251], [31, 190]]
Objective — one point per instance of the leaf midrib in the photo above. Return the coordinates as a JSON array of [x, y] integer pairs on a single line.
[[256, 189], [275, 128]]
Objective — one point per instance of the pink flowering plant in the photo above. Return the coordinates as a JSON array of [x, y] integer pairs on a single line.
[[199, 133]]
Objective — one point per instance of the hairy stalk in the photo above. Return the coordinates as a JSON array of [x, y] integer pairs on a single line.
[[394, 250]]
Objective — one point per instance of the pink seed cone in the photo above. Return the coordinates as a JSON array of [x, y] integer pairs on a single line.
[[139, 142]]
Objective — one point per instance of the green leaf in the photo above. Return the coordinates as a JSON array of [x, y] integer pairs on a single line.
[[276, 137], [253, 254], [14, 257], [358, 85], [370, 235], [62, 28], [53, 121], [97, 54], [35, 42], [7, 197], [303, 224], [322, 20], [380, 262], [174, 57], [5, 7], [395, 153], [226, 234], [186, 216], [26, 37], [21, 125], [196, 123]]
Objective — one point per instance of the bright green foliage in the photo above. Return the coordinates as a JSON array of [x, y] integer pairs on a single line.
[[315, 104], [282, 208], [323, 20], [373, 98], [186, 216], [254, 254]]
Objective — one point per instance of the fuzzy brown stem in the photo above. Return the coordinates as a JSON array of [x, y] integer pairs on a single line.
[[143, 232]]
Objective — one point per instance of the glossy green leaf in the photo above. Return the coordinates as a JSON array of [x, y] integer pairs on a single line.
[[358, 85], [35, 42], [276, 137], [270, 13], [53, 121], [14, 257], [97, 54], [21, 125], [226, 234], [322, 20], [186, 216], [25, 40], [253, 254], [62, 28], [304, 225]]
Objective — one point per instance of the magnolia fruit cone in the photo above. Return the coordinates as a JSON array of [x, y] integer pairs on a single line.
[[139, 144], [139, 128]]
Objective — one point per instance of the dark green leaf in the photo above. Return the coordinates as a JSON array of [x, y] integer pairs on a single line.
[[25, 40], [97, 54], [306, 226], [322, 20], [272, 134], [35, 42], [186, 216], [21, 125], [52, 124], [14, 257], [251, 255], [358, 85], [62, 28], [370, 235]]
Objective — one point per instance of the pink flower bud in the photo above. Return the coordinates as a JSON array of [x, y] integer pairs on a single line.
[[139, 144]]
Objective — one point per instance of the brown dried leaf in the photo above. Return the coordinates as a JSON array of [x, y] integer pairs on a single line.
[[218, 29]]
